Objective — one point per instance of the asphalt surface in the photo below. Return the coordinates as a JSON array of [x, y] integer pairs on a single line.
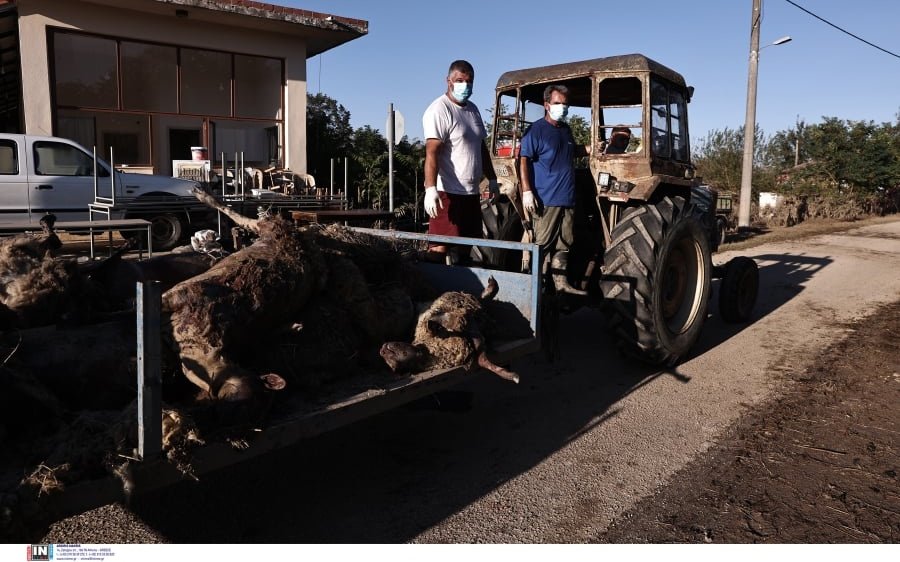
[[554, 459]]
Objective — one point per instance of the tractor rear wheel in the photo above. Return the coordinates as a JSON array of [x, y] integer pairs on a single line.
[[656, 277]]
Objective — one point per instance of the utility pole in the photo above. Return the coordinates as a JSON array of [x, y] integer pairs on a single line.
[[390, 139], [750, 119]]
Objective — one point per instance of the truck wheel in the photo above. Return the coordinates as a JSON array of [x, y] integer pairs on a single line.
[[721, 229], [656, 277], [738, 290], [166, 231]]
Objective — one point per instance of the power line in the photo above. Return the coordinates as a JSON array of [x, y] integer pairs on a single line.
[[841, 29]]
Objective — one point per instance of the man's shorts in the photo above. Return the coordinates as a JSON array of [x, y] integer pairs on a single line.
[[460, 216]]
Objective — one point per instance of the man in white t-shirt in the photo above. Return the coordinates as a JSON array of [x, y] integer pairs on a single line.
[[456, 158]]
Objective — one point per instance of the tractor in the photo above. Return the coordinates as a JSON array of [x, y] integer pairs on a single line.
[[645, 225]]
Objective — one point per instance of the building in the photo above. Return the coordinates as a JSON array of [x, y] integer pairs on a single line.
[[153, 78]]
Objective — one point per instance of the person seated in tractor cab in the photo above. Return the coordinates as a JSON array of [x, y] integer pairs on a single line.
[[618, 140]]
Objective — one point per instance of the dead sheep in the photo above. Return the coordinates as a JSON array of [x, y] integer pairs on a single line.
[[450, 333]]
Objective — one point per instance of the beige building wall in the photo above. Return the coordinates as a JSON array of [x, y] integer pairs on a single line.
[[35, 16]]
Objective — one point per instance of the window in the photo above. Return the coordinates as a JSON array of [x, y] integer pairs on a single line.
[[110, 90], [9, 158], [504, 125], [620, 120], [205, 82], [86, 74], [257, 141], [149, 77], [57, 159], [128, 134], [257, 87], [677, 115], [668, 122], [659, 120]]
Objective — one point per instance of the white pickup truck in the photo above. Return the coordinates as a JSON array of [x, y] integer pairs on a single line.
[[51, 174]]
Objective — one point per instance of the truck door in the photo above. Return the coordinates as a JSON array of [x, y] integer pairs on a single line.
[[63, 180], [13, 180]]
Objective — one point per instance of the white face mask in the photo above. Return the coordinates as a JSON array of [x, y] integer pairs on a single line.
[[558, 111], [462, 91]]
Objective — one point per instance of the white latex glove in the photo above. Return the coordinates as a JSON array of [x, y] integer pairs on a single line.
[[432, 202], [528, 202]]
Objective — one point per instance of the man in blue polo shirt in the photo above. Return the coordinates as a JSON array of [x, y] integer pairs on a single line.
[[548, 183]]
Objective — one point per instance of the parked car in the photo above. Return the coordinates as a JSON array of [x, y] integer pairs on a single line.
[[40, 175]]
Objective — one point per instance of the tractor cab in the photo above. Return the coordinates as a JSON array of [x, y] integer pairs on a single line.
[[630, 109]]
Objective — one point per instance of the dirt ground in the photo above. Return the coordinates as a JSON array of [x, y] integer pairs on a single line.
[[817, 465], [758, 235]]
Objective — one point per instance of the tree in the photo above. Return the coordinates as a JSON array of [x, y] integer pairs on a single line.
[[783, 151], [328, 134], [581, 129], [369, 156], [719, 160]]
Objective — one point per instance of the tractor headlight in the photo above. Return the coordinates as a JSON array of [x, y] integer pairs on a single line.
[[622, 186], [603, 179]]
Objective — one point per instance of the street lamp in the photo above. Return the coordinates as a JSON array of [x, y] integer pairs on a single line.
[[750, 118], [781, 41]]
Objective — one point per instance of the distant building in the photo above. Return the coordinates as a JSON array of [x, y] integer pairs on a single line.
[[152, 78]]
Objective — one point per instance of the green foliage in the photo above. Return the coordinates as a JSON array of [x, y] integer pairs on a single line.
[[581, 129], [370, 169], [328, 135], [854, 161], [719, 158], [849, 157]]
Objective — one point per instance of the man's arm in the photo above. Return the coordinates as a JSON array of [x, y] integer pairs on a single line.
[[432, 149], [524, 175], [529, 203]]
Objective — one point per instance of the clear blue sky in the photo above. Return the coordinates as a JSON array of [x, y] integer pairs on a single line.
[[822, 72]]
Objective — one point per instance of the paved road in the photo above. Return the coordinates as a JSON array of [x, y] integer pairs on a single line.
[[554, 459]]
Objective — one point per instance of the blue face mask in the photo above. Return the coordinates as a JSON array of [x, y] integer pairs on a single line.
[[462, 91], [558, 111]]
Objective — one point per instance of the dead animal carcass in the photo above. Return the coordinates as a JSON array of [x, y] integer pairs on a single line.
[[216, 318], [449, 334], [35, 288], [228, 323]]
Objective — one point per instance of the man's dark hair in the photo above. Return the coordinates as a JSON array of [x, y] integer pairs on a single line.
[[548, 91], [461, 66]]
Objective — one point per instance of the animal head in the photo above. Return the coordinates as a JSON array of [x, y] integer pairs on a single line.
[[243, 387], [402, 357]]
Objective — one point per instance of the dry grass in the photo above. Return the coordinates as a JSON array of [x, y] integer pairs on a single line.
[[764, 235]]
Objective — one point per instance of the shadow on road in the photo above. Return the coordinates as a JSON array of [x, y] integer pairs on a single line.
[[782, 277]]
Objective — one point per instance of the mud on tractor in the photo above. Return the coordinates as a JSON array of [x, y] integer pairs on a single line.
[[645, 226]]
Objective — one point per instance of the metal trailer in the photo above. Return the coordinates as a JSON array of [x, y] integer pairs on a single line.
[[346, 402]]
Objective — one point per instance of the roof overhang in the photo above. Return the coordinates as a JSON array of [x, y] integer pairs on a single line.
[[320, 31]]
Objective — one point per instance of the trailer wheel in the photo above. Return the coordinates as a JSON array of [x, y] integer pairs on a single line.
[[738, 290], [656, 277]]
